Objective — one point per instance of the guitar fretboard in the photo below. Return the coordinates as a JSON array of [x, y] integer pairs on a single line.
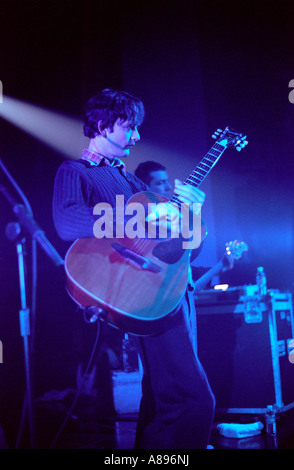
[[202, 169]]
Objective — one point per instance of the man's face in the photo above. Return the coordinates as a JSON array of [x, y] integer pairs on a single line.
[[159, 183], [122, 138]]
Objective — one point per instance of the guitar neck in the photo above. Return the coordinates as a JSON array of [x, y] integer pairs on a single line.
[[203, 168], [208, 276]]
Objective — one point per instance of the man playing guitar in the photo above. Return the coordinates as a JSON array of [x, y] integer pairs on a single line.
[[177, 405]]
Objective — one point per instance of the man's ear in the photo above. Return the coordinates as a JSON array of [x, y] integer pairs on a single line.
[[101, 130]]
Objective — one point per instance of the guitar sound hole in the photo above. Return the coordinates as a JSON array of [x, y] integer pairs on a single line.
[[169, 252]]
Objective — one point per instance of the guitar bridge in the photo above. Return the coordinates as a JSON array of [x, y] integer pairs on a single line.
[[139, 260]]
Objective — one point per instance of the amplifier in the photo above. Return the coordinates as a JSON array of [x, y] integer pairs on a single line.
[[244, 343]]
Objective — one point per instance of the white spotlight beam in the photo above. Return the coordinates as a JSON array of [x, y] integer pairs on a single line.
[[61, 132]]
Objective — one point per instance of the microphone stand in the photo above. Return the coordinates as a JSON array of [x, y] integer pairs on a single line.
[[14, 232], [25, 331]]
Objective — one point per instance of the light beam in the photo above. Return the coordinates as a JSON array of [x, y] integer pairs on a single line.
[[61, 132]]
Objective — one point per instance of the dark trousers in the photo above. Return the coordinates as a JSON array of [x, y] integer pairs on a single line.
[[177, 406]]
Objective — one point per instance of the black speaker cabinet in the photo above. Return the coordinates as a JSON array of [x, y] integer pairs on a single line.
[[244, 345]]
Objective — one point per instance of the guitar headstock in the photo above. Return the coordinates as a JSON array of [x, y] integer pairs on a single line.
[[236, 249], [230, 138]]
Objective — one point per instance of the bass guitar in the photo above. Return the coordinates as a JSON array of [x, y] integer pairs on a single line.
[[234, 251]]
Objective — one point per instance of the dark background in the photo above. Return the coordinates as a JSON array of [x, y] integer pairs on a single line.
[[197, 66]]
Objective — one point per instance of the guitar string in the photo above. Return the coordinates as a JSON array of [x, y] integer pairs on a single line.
[[140, 244]]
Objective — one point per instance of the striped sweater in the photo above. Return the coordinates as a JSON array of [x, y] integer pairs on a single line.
[[79, 186]]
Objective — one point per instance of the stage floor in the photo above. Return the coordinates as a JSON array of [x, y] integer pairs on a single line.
[[91, 424]]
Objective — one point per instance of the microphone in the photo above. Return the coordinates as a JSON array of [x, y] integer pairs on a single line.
[[28, 222]]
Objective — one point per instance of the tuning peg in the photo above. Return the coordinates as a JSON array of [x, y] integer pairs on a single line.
[[216, 134], [245, 142], [241, 143]]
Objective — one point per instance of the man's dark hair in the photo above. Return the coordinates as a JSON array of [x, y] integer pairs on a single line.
[[109, 105], [144, 169]]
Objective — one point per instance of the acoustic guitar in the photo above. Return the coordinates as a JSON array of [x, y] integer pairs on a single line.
[[137, 284]]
